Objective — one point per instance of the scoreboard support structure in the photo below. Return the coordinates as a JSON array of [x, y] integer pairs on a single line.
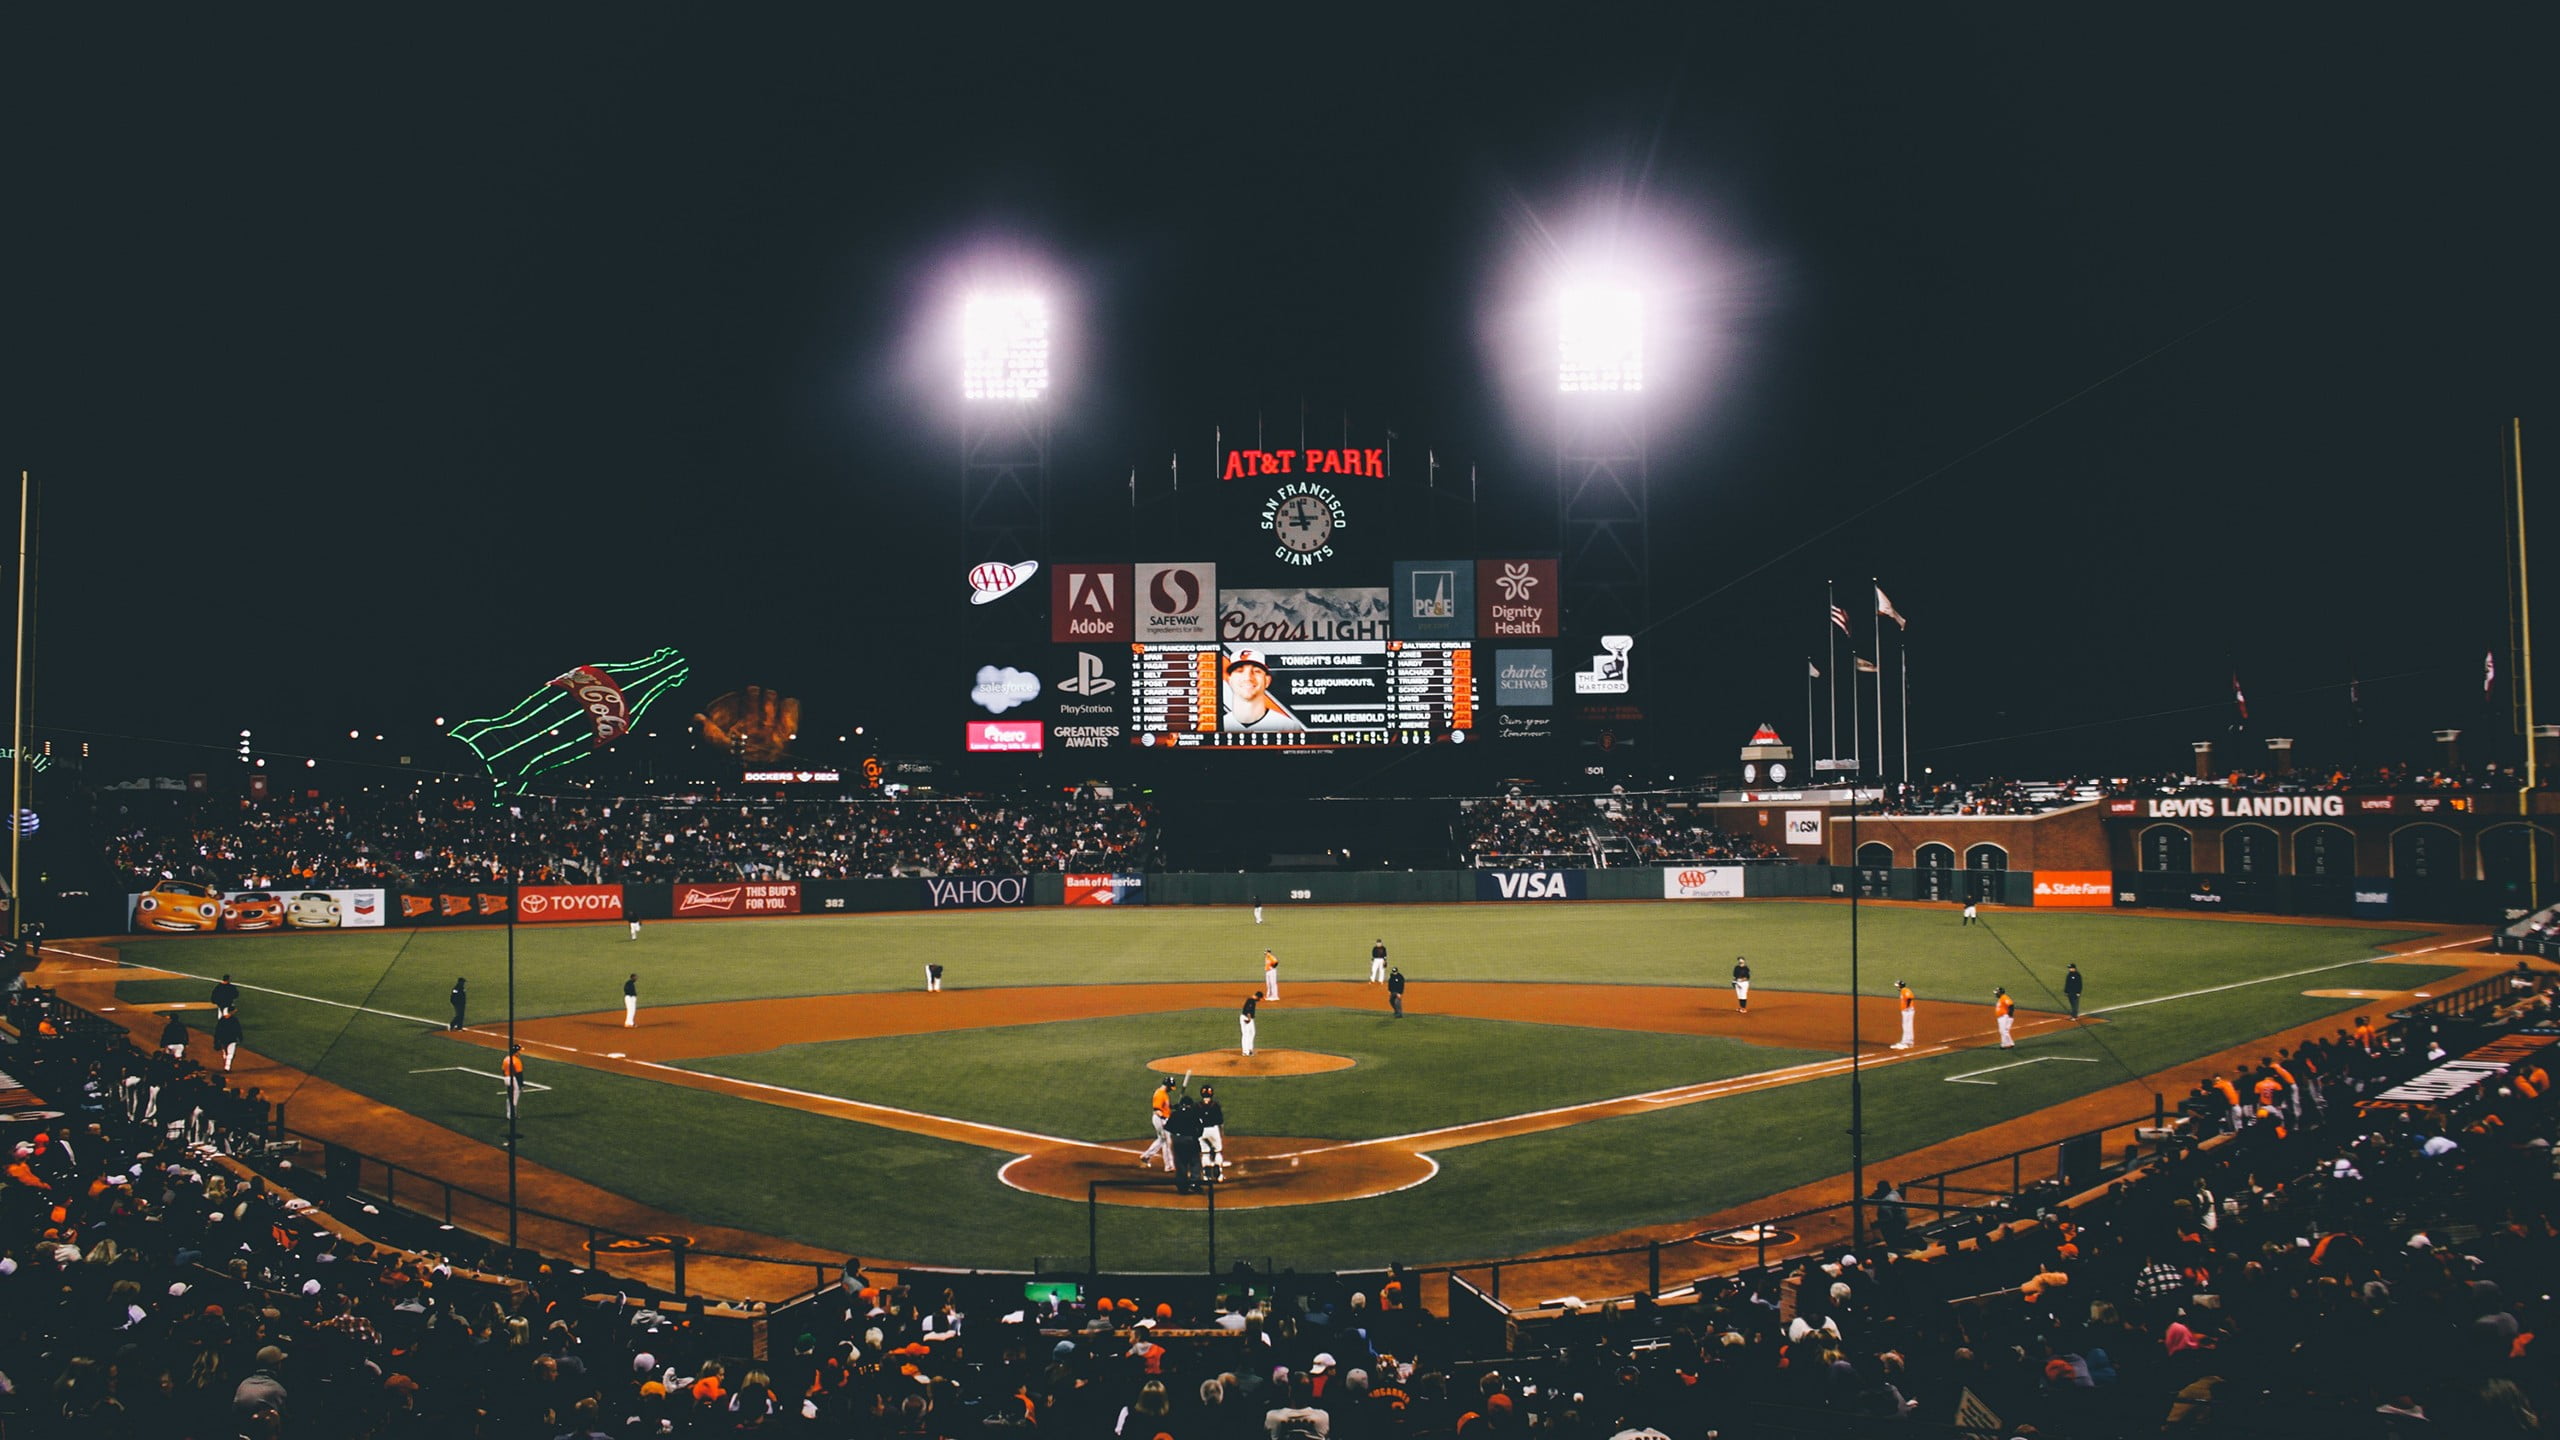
[[1004, 482], [1603, 472]]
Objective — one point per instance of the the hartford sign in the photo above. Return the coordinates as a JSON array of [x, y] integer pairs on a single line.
[[545, 903]]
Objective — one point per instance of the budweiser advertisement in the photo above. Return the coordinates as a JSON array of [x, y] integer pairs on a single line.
[[1002, 735], [543, 904], [771, 897], [1106, 889], [2076, 889]]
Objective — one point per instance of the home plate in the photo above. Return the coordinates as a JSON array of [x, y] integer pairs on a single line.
[[1967, 1077]]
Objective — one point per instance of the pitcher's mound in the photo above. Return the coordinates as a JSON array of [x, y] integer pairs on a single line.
[[1260, 1062]]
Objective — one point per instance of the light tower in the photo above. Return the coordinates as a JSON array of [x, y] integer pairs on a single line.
[[1601, 464], [1004, 427]]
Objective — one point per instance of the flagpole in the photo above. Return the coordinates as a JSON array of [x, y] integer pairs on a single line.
[[1809, 673], [1876, 621], [1831, 640], [2532, 761], [18, 724], [1902, 658]]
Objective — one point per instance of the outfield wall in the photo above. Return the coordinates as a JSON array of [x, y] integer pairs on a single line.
[[2473, 902]]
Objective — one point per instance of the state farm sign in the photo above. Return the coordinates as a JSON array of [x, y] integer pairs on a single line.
[[543, 903], [740, 898]]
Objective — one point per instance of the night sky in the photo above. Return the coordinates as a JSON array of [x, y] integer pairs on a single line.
[[377, 370]]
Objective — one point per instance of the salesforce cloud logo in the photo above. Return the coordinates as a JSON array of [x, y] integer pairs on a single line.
[[1001, 690]]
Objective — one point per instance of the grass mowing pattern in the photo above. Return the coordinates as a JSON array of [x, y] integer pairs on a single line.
[[1088, 1079], [855, 1187]]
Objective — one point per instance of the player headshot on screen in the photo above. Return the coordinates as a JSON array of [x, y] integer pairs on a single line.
[[1250, 703]]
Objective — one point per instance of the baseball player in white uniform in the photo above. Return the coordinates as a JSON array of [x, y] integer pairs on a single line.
[[1257, 912], [1244, 1021], [1378, 963], [1742, 984], [631, 1001]]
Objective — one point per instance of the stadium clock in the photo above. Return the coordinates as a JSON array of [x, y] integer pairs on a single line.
[[1302, 518]]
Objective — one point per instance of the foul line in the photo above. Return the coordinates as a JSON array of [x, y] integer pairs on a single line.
[[1967, 1077], [467, 1070], [261, 989]]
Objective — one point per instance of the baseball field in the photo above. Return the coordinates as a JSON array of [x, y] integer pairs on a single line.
[[1563, 1072]]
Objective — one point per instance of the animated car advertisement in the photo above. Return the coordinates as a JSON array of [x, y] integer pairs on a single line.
[[184, 907]]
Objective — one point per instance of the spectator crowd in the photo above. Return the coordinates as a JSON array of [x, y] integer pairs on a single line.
[[425, 836]]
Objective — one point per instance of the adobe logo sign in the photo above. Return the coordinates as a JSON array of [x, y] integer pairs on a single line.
[[1089, 602], [1177, 603], [545, 903]]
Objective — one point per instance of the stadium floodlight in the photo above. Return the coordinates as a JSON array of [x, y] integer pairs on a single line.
[[1004, 347], [1602, 335]]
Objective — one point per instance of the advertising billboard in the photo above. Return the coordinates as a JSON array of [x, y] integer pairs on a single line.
[[180, 907], [1319, 613], [1804, 827], [1434, 599], [1524, 677], [1176, 602], [1530, 885], [774, 897], [1518, 599], [1106, 889], [2075, 889], [1005, 735], [548, 904], [1702, 882], [453, 907], [1090, 604], [969, 892]]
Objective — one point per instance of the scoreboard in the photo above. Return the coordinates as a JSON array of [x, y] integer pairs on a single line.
[[1303, 694]]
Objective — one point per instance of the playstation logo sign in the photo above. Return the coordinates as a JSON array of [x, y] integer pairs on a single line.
[[1089, 679]]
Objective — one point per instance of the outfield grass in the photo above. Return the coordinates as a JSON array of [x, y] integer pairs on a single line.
[[846, 1185]]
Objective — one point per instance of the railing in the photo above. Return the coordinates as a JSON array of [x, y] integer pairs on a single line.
[[2476, 998], [445, 1202]]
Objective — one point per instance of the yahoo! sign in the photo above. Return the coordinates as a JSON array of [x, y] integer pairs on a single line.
[[971, 892]]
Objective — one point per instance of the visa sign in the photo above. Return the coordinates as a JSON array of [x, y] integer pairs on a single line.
[[1530, 885]]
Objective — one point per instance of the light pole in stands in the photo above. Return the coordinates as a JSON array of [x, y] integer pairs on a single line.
[[1857, 1085], [509, 1079]]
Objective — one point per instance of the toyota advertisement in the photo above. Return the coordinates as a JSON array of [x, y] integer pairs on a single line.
[[550, 904], [182, 907], [763, 897]]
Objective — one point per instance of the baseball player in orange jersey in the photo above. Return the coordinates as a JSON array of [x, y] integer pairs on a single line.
[[1270, 976], [513, 1068], [2004, 1010], [1910, 1014], [1160, 1110], [2239, 1113]]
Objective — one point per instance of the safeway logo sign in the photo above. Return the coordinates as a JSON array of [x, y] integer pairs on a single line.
[[1529, 885], [546, 903], [1177, 602]]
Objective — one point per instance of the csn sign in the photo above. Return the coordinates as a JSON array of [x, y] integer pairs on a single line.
[[1529, 885]]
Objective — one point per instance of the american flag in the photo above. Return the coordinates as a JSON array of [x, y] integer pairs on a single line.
[[1840, 618]]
